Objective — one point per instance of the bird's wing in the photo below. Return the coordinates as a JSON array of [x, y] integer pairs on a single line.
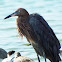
[[44, 33]]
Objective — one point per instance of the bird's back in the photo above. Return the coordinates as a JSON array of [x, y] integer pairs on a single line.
[[44, 37]]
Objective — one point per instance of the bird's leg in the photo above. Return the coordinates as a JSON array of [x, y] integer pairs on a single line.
[[38, 58], [44, 56]]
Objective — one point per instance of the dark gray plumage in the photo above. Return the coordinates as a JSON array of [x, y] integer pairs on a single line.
[[38, 33], [45, 38]]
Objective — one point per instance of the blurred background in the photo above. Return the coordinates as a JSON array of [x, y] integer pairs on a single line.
[[51, 10]]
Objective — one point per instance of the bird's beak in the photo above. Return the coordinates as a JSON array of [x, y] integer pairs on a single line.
[[13, 14]]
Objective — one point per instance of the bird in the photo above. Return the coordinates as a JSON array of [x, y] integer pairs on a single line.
[[19, 58], [9, 58], [38, 33], [17, 54]]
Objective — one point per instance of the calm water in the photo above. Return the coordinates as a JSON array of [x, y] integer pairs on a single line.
[[51, 10]]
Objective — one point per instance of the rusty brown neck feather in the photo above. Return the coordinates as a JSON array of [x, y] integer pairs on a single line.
[[22, 24]]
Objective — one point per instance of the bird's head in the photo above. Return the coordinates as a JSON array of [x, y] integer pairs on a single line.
[[19, 12], [17, 54]]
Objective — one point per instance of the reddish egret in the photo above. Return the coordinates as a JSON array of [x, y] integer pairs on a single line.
[[38, 33]]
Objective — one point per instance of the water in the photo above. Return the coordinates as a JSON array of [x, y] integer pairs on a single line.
[[51, 10]]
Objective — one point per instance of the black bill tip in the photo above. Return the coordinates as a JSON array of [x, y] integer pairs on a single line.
[[7, 17]]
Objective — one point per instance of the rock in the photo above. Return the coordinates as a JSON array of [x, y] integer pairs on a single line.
[[3, 53]]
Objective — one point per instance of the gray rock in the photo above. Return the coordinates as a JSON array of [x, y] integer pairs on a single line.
[[3, 53]]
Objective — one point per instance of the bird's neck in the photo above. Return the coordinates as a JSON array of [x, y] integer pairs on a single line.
[[22, 20], [23, 25], [8, 56]]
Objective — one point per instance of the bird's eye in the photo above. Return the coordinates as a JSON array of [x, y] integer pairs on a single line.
[[19, 10]]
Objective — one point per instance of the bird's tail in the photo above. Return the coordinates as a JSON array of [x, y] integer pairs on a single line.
[[56, 59]]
